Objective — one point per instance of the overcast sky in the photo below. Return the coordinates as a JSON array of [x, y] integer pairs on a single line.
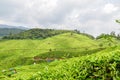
[[91, 16]]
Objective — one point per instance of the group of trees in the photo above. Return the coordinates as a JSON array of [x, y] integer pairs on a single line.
[[44, 33], [108, 36], [36, 34], [111, 35]]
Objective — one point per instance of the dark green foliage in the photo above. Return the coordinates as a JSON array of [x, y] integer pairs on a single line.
[[105, 36], [118, 21], [37, 33], [118, 36], [93, 67], [113, 34], [9, 72], [101, 45], [108, 36]]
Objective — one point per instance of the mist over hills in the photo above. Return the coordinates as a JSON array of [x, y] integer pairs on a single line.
[[8, 29], [10, 26]]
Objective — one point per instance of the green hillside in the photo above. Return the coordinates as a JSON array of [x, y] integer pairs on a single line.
[[59, 46], [22, 54], [36, 33]]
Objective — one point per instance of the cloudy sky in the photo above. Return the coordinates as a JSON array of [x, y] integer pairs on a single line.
[[91, 16]]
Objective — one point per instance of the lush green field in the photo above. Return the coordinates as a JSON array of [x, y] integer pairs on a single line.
[[103, 65], [19, 54]]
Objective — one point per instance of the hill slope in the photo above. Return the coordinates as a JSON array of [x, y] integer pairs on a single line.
[[21, 52]]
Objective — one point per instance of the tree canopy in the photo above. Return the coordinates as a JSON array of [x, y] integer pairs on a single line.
[[118, 21]]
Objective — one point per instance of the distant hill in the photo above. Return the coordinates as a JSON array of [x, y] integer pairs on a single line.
[[10, 26], [37, 33], [8, 31], [5, 30]]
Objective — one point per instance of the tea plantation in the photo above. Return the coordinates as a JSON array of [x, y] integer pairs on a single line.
[[61, 57]]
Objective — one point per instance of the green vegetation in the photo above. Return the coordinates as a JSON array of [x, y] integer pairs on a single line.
[[37, 33], [40, 54], [104, 65], [118, 21], [25, 50]]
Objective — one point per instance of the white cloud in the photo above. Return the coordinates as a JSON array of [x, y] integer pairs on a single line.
[[109, 8], [94, 16], [2, 22]]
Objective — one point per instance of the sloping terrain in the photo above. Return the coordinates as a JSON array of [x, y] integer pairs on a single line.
[[13, 52], [104, 65], [21, 54]]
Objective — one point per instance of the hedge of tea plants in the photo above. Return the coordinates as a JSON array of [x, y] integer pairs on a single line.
[[100, 66]]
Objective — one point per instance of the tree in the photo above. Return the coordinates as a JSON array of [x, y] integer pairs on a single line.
[[77, 31], [113, 34], [118, 21], [118, 36]]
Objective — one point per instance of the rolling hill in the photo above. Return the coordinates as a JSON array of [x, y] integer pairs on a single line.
[[60, 46], [22, 54]]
